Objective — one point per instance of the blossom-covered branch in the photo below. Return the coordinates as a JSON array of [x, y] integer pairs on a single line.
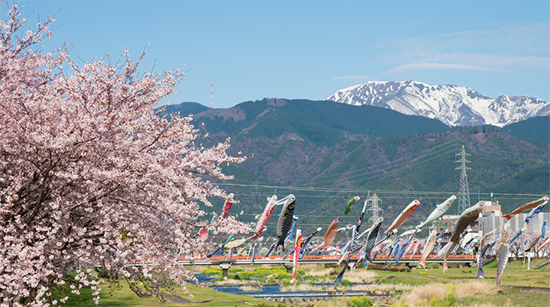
[[91, 176]]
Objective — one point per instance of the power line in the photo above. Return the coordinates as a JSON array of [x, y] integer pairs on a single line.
[[403, 163], [392, 164], [397, 168], [387, 165], [401, 193]]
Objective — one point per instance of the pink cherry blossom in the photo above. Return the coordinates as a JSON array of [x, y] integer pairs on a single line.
[[91, 176]]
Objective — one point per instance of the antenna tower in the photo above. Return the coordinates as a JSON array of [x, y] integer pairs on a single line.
[[464, 194], [211, 96], [374, 211]]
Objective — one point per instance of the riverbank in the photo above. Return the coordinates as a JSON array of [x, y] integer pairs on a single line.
[[458, 286], [418, 287]]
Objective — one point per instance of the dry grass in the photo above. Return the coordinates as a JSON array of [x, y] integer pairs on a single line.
[[491, 305], [333, 302], [195, 269], [359, 275], [300, 287], [475, 287], [230, 281], [249, 288], [421, 295], [384, 287], [353, 275], [322, 272], [376, 288]]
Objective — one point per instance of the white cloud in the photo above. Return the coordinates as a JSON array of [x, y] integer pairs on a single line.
[[511, 48], [423, 66]]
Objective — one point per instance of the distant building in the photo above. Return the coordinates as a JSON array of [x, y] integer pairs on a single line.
[[492, 219], [535, 224], [490, 206], [448, 222]]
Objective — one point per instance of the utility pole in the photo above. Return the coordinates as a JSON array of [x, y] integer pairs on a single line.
[[373, 210], [464, 194], [211, 96], [256, 194]]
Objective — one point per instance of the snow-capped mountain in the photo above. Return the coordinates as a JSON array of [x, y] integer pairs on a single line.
[[451, 104]]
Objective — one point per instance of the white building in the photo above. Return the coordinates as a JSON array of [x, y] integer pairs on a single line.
[[535, 224], [492, 219]]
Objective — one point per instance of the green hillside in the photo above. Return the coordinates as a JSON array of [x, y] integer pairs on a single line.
[[536, 129], [319, 122], [324, 153], [185, 108]]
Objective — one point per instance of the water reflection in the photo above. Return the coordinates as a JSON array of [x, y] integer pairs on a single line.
[[274, 290]]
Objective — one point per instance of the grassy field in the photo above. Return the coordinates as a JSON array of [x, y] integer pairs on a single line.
[[517, 275], [419, 287], [460, 287], [203, 297]]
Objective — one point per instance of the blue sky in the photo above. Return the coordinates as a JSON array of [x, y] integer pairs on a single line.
[[309, 49]]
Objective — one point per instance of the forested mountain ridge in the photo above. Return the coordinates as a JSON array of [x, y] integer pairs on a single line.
[[308, 148], [318, 122]]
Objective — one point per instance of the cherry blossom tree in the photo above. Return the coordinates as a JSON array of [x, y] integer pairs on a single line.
[[92, 178]]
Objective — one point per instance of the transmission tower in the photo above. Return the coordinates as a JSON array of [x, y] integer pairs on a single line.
[[374, 211], [464, 194], [211, 96]]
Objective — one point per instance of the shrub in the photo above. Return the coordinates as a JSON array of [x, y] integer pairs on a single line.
[[283, 275], [363, 301], [449, 299], [346, 282], [211, 271]]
